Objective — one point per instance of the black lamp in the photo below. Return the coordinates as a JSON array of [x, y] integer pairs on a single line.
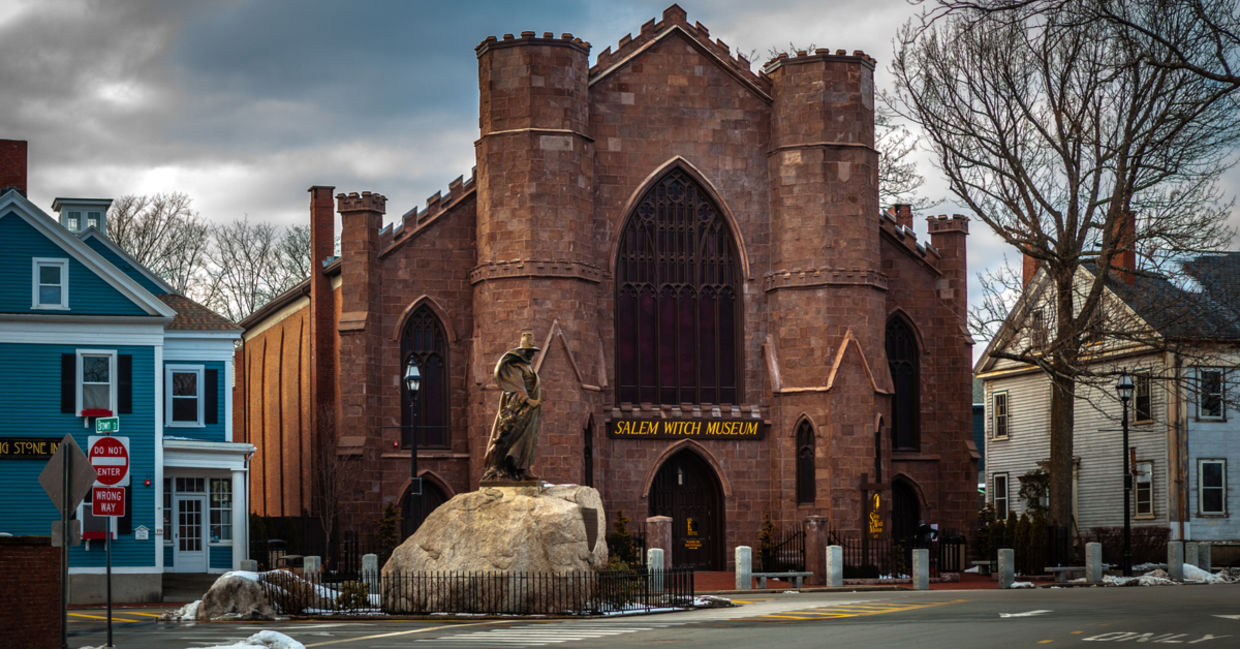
[[1125, 389]]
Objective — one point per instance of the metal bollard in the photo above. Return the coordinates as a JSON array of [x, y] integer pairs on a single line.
[[1093, 562], [1203, 555], [370, 572], [1190, 553], [921, 569], [1175, 560], [835, 566], [744, 567], [249, 564], [1007, 567], [654, 567], [311, 565]]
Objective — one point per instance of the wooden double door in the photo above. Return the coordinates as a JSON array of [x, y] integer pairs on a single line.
[[687, 489]]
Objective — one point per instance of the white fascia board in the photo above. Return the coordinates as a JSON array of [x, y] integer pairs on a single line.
[[158, 423], [118, 570], [79, 332], [50, 228], [195, 348], [195, 454], [91, 233]]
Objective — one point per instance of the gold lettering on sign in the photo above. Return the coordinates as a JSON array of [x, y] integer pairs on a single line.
[[686, 428]]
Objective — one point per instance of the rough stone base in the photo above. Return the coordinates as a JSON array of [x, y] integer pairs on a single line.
[[126, 587]]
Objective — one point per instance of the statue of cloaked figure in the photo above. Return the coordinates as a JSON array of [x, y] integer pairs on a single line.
[[510, 452]]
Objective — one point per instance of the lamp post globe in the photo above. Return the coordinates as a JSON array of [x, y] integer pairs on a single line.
[[1125, 389]]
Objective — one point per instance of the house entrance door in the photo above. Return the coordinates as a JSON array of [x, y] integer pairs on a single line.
[[687, 489], [189, 541]]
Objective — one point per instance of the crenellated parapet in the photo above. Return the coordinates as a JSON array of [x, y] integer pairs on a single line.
[[363, 202], [530, 38], [819, 54]]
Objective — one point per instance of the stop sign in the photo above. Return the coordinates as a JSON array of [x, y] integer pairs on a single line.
[[110, 457]]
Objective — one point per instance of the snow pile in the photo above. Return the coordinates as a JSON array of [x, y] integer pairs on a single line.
[[187, 613], [1197, 575], [263, 640], [711, 601], [1021, 584]]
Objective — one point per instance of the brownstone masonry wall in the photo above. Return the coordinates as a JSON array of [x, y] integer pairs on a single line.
[[30, 602]]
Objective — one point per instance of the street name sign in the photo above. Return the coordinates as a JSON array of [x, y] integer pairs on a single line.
[[107, 425], [110, 457]]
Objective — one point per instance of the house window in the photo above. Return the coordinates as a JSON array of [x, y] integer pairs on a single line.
[[50, 284], [677, 299], [1037, 328], [425, 341], [1210, 404], [906, 377], [805, 463], [221, 510], [1212, 487], [1144, 489], [96, 384], [183, 392], [1143, 406], [999, 414], [1000, 498], [92, 219], [167, 511], [74, 221]]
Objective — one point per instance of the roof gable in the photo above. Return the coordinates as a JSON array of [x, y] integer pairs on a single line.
[[107, 248], [96, 287]]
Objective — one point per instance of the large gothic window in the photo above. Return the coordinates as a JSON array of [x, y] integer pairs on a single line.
[[424, 341], [906, 375], [677, 326], [805, 462]]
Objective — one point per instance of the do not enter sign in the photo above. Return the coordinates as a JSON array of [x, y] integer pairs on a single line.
[[110, 457]]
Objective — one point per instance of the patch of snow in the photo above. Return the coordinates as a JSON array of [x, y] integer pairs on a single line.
[[712, 601], [976, 570], [187, 613], [265, 639], [1021, 584], [244, 574]]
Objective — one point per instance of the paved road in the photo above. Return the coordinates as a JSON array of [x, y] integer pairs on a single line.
[[1199, 616]]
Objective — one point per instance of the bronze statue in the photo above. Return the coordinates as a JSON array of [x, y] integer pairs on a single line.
[[510, 452]]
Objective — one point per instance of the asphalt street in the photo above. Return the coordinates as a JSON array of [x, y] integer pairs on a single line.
[[1201, 616]]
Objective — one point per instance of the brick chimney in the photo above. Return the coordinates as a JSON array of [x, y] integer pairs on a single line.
[[948, 234], [13, 166], [904, 215], [323, 415], [1125, 259], [1028, 268]]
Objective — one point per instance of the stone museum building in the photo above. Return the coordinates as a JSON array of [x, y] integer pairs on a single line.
[[730, 326]]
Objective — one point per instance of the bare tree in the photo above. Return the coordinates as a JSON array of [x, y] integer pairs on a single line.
[[1055, 129], [163, 233], [898, 180], [250, 263]]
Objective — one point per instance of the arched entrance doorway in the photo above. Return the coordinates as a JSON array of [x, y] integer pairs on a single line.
[[687, 489], [905, 510], [432, 497]]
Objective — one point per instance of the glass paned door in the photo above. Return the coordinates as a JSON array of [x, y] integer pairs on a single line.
[[191, 548]]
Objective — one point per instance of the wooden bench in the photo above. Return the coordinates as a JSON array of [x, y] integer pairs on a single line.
[[799, 576], [1064, 573]]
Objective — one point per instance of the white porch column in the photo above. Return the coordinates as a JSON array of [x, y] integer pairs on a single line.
[[241, 540]]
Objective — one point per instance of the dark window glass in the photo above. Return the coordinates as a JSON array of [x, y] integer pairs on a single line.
[[906, 376], [1143, 408], [676, 306], [805, 463], [1211, 394], [424, 341]]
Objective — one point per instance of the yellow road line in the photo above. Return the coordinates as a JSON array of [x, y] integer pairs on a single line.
[[143, 614], [102, 617], [850, 610], [396, 633]]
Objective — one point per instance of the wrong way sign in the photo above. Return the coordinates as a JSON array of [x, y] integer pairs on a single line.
[[107, 501], [109, 455]]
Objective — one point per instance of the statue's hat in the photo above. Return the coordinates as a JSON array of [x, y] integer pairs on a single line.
[[527, 341]]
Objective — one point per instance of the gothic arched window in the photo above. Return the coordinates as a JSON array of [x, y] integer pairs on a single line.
[[906, 377], [424, 340], [805, 462], [677, 311]]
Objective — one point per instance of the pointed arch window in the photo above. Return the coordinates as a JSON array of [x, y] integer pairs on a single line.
[[906, 377], [425, 341], [805, 462], [677, 310]]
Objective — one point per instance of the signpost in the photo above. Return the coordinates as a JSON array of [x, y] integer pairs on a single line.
[[66, 479], [109, 456]]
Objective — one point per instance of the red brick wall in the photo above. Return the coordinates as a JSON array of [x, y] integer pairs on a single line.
[[13, 165], [30, 613]]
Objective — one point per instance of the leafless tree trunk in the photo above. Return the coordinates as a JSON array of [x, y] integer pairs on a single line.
[[1055, 129], [251, 263]]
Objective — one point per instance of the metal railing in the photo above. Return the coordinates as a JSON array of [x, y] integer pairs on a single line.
[[481, 593], [783, 550]]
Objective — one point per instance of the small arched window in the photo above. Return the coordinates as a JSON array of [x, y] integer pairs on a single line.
[[677, 306], [906, 377], [425, 341], [805, 462]]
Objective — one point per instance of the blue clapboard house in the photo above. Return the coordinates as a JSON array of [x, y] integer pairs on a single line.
[[86, 331]]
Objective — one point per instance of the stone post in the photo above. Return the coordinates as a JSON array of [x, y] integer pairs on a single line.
[[835, 566], [1190, 553], [921, 569], [1093, 562], [1007, 567], [744, 567], [654, 567], [249, 564], [1203, 555], [1175, 560], [659, 535], [816, 534], [370, 572], [311, 565]]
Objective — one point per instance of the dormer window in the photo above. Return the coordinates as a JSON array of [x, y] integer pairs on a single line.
[[92, 220], [50, 283], [74, 221]]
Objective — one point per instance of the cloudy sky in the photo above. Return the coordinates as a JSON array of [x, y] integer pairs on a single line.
[[243, 104]]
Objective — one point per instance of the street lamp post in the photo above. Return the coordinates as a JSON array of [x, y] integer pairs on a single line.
[[413, 381], [1125, 389]]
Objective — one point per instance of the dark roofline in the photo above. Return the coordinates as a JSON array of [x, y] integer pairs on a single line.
[[275, 304]]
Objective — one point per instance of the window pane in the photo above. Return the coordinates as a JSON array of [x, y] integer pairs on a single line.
[[49, 274], [49, 295], [96, 396], [1212, 474], [1212, 500], [185, 410], [95, 369], [184, 384]]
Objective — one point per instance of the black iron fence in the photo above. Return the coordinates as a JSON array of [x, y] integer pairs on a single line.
[[782, 550], [867, 557], [481, 593]]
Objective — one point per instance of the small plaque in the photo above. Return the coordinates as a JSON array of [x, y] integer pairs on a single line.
[[141, 533]]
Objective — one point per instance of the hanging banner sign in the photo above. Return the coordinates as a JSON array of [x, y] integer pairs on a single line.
[[733, 429]]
